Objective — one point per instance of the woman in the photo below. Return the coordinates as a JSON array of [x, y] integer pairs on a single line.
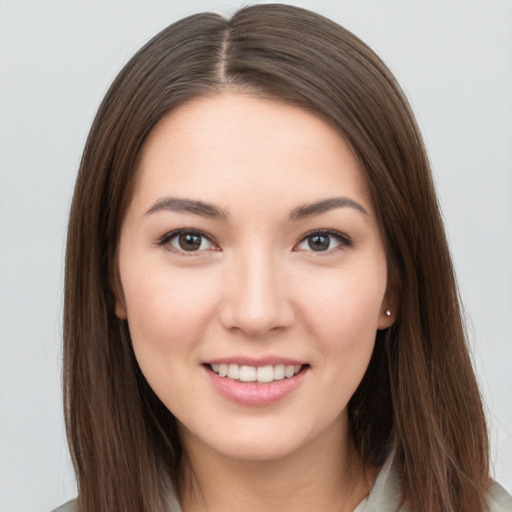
[[260, 307]]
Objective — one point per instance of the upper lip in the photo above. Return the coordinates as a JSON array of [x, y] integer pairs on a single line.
[[257, 362]]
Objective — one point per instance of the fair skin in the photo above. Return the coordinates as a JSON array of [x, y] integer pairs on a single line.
[[278, 267]]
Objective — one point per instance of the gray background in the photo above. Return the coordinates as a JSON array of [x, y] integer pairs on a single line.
[[454, 60]]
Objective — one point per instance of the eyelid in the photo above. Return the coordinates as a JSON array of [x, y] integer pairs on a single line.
[[167, 237], [344, 241]]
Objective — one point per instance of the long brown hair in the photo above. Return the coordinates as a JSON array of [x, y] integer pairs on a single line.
[[419, 396]]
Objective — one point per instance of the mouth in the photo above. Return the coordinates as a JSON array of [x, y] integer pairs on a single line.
[[256, 383], [259, 374]]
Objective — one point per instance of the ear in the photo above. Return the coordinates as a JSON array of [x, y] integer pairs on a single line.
[[389, 307], [117, 290], [120, 309]]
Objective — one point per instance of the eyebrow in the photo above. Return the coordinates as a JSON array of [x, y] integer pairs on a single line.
[[319, 207], [182, 205]]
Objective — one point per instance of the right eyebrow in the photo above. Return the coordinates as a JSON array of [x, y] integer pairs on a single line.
[[182, 205]]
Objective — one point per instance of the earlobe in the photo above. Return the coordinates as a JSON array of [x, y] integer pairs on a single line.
[[120, 309], [117, 290], [386, 318], [389, 308]]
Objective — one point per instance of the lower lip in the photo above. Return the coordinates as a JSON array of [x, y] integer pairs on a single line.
[[255, 393]]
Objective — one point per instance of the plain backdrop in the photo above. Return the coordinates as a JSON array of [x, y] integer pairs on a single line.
[[454, 61]]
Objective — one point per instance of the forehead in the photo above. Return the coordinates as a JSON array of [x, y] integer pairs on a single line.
[[231, 144]]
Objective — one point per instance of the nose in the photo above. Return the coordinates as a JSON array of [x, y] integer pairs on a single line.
[[255, 298]]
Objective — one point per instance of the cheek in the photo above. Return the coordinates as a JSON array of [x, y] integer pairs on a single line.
[[167, 315], [167, 311], [343, 312]]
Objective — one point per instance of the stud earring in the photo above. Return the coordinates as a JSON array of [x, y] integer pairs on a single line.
[[388, 312]]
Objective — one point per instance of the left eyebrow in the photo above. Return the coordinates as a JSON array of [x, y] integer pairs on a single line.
[[319, 207]]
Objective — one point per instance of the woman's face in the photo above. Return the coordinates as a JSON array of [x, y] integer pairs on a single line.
[[251, 247]]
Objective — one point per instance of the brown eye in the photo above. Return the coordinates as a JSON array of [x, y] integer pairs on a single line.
[[187, 241], [319, 242], [323, 241]]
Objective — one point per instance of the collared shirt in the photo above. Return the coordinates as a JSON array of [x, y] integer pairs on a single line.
[[385, 496]]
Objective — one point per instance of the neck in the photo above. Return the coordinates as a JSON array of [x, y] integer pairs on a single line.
[[325, 474]]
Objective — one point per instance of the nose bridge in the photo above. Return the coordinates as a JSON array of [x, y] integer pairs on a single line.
[[255, 299]]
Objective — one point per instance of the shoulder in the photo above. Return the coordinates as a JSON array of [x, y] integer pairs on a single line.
[[499, 499], [67, 507], [386, 495]]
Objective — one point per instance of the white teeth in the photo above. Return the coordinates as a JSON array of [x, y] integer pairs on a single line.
[[256, 374], [247, 373], [265, 374], [233, 371], [223, 370], [279, 372], [289, 370]]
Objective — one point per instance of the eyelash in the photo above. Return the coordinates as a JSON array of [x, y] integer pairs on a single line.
[[168, 237], [344, 241]]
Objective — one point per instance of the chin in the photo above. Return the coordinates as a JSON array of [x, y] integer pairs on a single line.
[[247, 441], [257, 450]]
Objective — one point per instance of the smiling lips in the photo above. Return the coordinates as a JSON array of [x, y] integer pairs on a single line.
[[261, 374], [255, 385]]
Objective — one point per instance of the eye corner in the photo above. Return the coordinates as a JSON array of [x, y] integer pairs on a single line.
[[327, 241], [175, 240]]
